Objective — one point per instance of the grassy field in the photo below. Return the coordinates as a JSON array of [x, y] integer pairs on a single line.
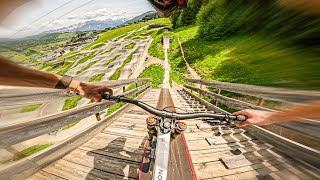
[[245, 59], [97, 77], [87, 67], [71, 103], [111, 60], [178, 67], [30, 108], [156, 73], [120, 31], [130, 46], [156, 48], [116, 75], [108, 51], [97, 46], [85, 59], [113, 108], [27, 152]]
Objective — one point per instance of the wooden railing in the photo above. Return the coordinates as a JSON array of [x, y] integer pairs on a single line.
[[278, 94], [15, 98], [17, 133], [303, 132]]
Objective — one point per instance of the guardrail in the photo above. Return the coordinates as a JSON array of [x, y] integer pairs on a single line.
[[15, 98], [278, 94], [306, 132], [17, 133]]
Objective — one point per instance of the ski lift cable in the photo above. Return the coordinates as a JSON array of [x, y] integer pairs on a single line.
[[25, 27], [63, 15]]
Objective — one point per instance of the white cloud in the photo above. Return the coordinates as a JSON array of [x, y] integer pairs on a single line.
[[97, 10]]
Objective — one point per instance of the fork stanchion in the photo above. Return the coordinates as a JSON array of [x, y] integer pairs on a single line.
[[151, 124]]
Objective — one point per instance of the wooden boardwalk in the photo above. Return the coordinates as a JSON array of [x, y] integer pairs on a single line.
[[222, 153], [116, 153], [216, 152]]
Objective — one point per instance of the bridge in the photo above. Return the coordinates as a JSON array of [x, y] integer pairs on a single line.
[[115, 146]]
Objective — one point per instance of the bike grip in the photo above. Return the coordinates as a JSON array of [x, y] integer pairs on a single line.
[[242, 118], [105, 96]]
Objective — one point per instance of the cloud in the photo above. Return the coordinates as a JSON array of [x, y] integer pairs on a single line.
[[100, 10], [99, 15]]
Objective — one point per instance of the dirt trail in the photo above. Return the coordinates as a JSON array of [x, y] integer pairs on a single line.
[[193, 73]]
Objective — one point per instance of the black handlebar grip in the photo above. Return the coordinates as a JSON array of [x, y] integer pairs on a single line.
[[242, 118], [105, 96]]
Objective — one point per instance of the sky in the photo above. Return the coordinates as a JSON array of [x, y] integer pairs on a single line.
[[42, 15]]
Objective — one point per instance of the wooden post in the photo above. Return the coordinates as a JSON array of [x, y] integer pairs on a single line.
[[137, 87], [98, 117], [200, 88], [219, 91], [123, 89], [260, 102]]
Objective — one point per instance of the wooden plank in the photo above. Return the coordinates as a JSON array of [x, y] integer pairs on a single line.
[[102, 139], [260, 102], [27, 166], [70, 170], [217, 169], [279, 94], [130, 127], [116, 166], [133, 155], [307, 127], [230, 102], [25, 131], [126, 132], [233, 162], [218, 92], [203, 145], [291, 148], [42, 175], [210, 155]]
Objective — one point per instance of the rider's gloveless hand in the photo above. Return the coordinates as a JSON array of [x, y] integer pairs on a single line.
[[255, 117], [89, 91]]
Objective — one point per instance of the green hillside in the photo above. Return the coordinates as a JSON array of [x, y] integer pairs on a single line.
[[250, 42]]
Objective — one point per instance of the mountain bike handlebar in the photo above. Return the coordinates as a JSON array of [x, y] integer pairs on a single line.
[[167, 114]]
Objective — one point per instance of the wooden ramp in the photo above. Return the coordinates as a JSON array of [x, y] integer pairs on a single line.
[[213, 152], [222, 153], [116, 153]]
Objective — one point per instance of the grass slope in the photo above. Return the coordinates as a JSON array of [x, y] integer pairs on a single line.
[[130, 46], [155, 72], [71, 103], [245, 59], [87, 67], [30, 108], [97, 77], [103, 37], [111, 60], [116, 74], [27, 152]]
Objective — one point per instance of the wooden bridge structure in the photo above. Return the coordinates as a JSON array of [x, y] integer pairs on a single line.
[[115, 146]]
